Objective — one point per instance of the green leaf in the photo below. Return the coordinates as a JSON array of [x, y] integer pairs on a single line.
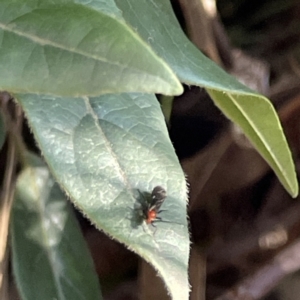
[[50, 257], [251, 111], [264, 132], [2, 131], [65, 48], [160, 29], [107, 150]]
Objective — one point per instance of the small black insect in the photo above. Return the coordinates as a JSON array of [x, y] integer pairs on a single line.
[[152, 207]]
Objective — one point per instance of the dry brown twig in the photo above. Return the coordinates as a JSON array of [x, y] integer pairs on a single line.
[[264, 280], [7, 192]]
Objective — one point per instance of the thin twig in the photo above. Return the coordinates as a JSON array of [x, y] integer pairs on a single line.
[[268, 277], [7, 194], [199, 16]]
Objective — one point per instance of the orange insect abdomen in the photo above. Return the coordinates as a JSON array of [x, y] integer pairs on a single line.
[[152, 214]]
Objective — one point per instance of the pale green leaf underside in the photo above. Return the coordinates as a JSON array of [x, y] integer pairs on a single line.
[[50, 257], [264, 132], [64, 48], [251, 111], [103, 151]]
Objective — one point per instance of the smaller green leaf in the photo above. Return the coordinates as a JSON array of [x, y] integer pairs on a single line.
[[50, 257], [259, 121]]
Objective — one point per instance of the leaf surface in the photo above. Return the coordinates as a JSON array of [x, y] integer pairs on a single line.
[[108, 153]]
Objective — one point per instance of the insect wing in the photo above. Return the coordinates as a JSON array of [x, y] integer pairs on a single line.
[[158, 196]]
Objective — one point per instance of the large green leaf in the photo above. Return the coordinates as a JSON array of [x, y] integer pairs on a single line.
[[50, 258], [66, 48], [107, 150], [252, 112]]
